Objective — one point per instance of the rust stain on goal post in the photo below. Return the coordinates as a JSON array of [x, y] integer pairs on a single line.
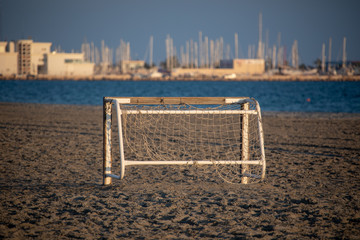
[[107, 117]]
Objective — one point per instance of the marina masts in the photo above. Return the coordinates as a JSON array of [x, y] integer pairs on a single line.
[[170, 53], [123, 52]]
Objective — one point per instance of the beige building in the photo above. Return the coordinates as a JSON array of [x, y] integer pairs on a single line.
[[249, 66], [67, 64], [131, 66], [39, 51], [31, 56], [8, 59], [235, 66]]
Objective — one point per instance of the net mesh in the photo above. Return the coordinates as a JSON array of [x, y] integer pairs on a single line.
[[197, 133]]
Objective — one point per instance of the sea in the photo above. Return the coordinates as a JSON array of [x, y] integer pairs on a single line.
[[277, 96]]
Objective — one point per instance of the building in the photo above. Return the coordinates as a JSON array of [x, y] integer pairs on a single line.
[[34, 58], [249, 66], [31, 56], [131, 66], [8, 59], [227, 67], [67, 64]]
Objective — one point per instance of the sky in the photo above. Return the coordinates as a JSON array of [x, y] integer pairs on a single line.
[[68, 23]]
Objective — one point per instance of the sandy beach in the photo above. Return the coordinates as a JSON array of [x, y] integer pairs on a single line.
[[51, 183]]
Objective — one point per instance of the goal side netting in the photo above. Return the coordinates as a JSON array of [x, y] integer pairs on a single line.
[[224, 133]]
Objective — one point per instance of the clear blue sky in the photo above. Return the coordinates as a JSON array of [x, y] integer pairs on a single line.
[[68, 22]]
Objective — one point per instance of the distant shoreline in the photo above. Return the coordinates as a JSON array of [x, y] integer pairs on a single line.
[[127, 77]]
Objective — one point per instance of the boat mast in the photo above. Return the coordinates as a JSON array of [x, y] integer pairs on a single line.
[[260, 37], [323, 58], [294, 55], [206, 51], [196, 54], [344, 53], [191, 53], [212, 53], [274, 57], [187, 54], [201, 62], [236, 45], [280, 51], [329, 57], [151, 50], [167, 52]]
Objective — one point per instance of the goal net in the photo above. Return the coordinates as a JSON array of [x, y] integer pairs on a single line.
[[225, 133]]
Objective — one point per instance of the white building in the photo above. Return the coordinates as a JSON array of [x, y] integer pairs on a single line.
[[67, 64], [8, 59]]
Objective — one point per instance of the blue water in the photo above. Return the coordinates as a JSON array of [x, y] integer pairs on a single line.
[[272, 96]]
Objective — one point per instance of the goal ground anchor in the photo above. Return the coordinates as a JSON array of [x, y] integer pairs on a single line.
[[223, 131]]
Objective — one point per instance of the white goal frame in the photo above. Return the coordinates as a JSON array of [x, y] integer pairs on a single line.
[[118, 101]]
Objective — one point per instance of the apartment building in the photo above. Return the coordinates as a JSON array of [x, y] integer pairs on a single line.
[[31, 56]]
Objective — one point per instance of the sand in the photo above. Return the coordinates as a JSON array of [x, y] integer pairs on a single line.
[[51, 183]]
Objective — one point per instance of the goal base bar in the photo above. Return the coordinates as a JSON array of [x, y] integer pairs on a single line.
[[244, 174]]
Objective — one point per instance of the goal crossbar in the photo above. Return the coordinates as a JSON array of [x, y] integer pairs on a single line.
[[244, 111], [177, 100], [189, 111]]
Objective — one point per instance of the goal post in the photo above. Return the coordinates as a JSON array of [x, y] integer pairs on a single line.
[[225, 132]]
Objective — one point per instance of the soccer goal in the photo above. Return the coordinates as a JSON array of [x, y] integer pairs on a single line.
[[225, 132]]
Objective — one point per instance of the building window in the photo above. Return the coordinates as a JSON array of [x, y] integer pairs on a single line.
[[72, 61]]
